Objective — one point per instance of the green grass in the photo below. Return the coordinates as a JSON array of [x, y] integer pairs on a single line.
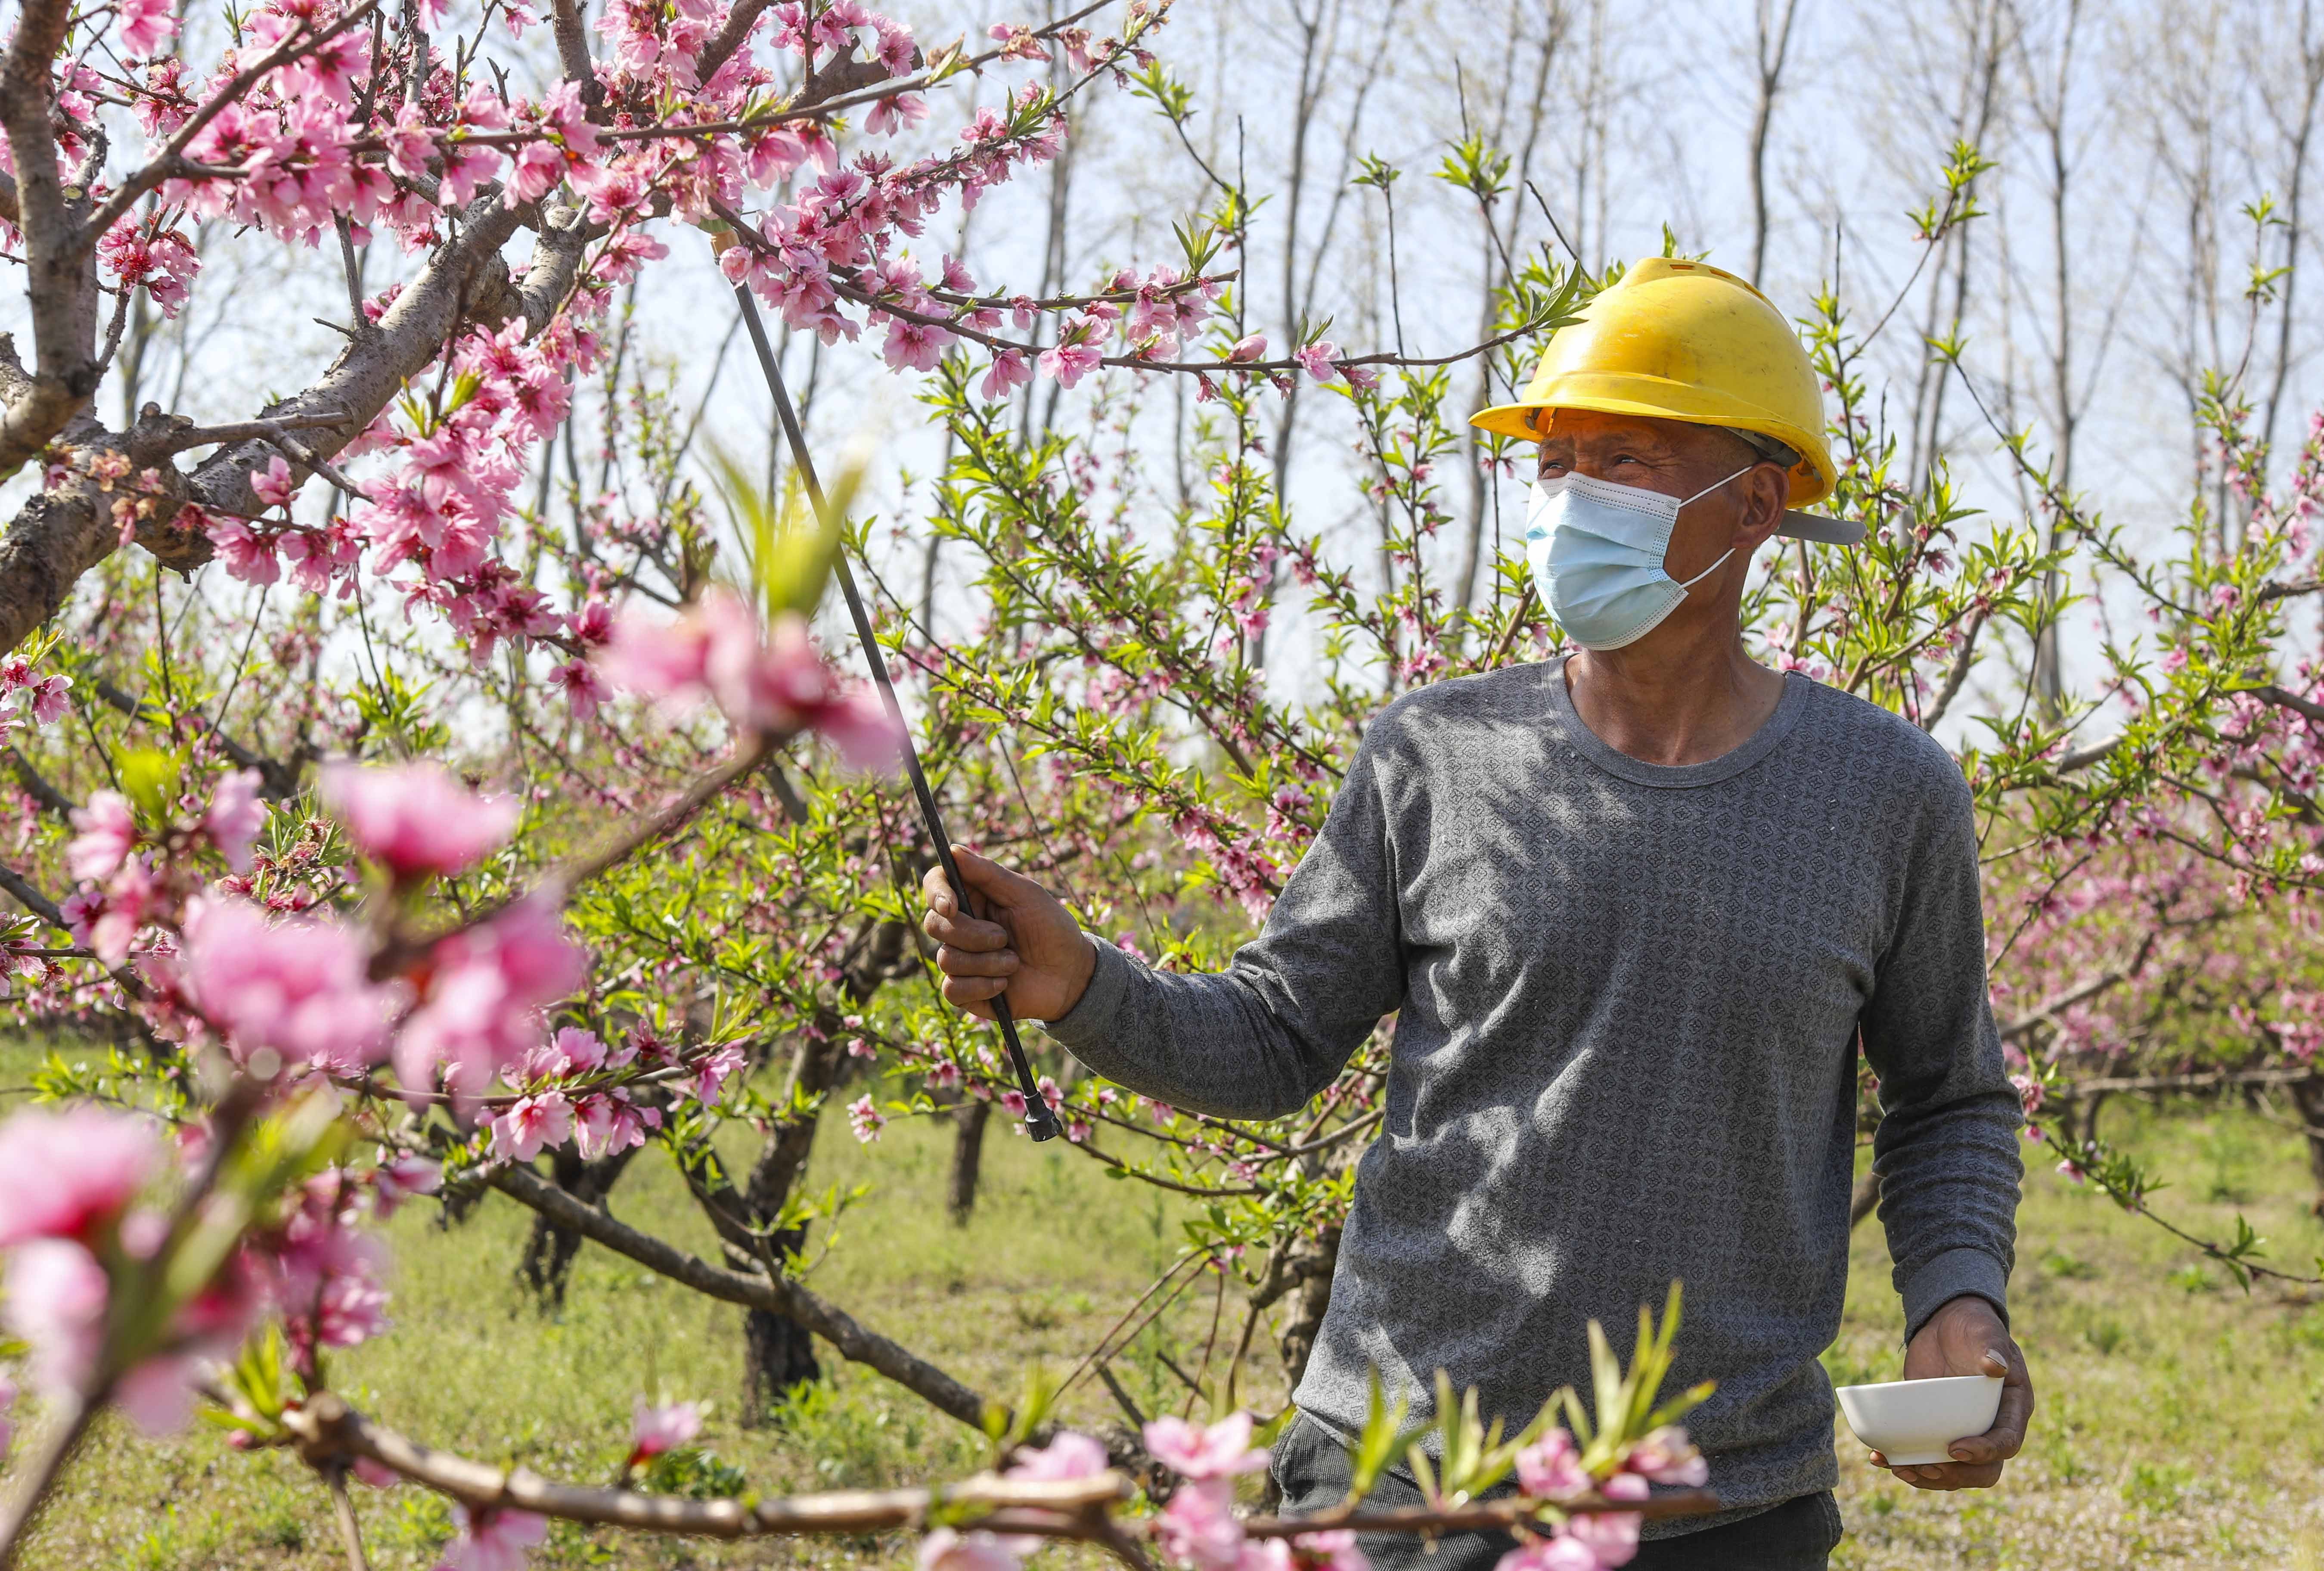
[[2182, 1423]]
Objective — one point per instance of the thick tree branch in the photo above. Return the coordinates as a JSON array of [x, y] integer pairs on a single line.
[[37, 787], [2281, 700], [62, 533], [834, 1324], [1958, 675], [2210, 1080], [32, 900], [573, 52], [60, 285], [2083, 757]]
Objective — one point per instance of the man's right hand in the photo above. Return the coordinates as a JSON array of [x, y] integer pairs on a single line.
[[1030, 947]]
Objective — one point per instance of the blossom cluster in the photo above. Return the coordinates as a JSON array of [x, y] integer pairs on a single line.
[[81, 1225], [767, 682]]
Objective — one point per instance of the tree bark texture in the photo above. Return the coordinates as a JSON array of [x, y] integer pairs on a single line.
[[969, 1121], [2308, 1095], [549, 1249]]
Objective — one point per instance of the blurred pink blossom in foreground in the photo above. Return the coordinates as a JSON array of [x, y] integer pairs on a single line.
[[234, 817], [492, 1540], [948, 1550], [486, 992], [297, 987], [656, 1429], [70, 1174], [416, 819], [774, 681], [1069, 1455], [66, 1183], [107, 834], [1194, 1453]]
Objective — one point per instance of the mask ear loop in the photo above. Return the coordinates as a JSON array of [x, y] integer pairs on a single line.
[[1715, 484], [1729, 551]]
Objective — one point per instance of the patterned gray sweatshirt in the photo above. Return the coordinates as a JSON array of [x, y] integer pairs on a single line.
[[1629, 999]]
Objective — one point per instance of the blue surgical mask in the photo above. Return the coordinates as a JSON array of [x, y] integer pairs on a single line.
[[1597, 551]]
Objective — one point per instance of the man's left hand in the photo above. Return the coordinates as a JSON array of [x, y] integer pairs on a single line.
[[1966, 1336]]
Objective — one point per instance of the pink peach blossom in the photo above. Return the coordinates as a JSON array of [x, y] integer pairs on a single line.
[[274, 486], [402, 1176], [70, 1174], [1557, 1554], [1667, 1457], [531, 1124], [1611, 1536], [480, 1011], [234, 817], [945, 1549], [656, 1429], [1193, 1451], [300, 987], [415, 817], [146, 26], [1551, 1466], [107, 831], [1008, 372], [491, 1539], [1199, 1526], [56, 1299], [1068, 1456], [1316, 359], [712, 1070], [1336, 1549]]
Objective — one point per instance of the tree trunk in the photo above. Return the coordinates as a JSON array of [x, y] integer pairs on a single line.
[[548, 1250], [967, 1157], [1865, 1201], [2308, 1095], [1312, 1265], [778, 1352], [777, 1358]]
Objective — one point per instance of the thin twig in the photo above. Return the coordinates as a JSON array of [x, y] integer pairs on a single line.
[[350, 1531]]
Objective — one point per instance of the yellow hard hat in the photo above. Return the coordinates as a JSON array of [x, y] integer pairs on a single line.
[[1685, 340]]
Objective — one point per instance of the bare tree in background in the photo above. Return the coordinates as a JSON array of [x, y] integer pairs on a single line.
[[1525, 100], [2048, 82], [2292, 116], [1961, 99], [1773, 21]]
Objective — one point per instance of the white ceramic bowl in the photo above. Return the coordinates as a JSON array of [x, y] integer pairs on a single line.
[[1913, 1421]]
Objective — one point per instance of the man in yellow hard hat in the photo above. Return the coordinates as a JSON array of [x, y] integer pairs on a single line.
[[1635, 910]]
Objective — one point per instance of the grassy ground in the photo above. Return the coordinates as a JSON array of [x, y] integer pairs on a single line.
[[2183, 1422]]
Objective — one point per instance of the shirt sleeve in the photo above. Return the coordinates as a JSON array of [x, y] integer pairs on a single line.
[[1260, 1038], [1946, 1152]]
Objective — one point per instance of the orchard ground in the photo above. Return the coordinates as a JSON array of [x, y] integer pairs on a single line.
[[2181, 1420]]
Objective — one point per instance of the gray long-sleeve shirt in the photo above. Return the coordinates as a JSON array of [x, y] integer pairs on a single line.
[[1628, 998]]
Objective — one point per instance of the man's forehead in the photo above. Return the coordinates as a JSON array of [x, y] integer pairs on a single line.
[[1590, 426]]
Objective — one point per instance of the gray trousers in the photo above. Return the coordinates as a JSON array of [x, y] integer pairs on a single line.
[[1312, 1470]]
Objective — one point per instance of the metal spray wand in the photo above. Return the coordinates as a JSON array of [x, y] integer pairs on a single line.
[[1040, 1122]]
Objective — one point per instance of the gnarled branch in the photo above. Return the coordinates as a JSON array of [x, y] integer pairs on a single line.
[[855, 1342]]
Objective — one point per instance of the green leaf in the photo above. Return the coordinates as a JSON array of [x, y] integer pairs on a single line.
[[150, 779]]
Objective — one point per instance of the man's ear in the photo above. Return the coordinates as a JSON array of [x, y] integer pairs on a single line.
[[1765, 491]]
